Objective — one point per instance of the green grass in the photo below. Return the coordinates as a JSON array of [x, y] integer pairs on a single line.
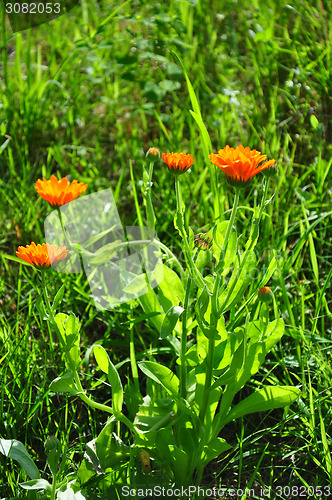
[[82, 97]]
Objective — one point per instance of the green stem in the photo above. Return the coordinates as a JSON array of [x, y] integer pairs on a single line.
[[193, 271], [148, 201], [230, 223], [53, 491], [133, 362], [183, 366], [215, 316], [228, 395]]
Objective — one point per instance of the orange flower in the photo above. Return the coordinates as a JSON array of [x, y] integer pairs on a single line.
[[240, 164], [43, 255], [178, 163], [58, 193]]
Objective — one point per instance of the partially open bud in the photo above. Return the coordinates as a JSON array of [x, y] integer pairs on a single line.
[[271, 171], [265, 294], [203, 241], [153, 154]]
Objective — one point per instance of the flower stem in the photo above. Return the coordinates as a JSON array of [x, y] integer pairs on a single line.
[[183, 366], [230, 223], [53, 491], [147, 195], [133, 362], [193, 271], [215, 313]]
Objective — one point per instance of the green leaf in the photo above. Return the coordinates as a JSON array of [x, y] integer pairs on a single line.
[[101, 358], [41, 308], [69, 327], [107, 366], [178, 223], [170, 289], [17, 259], [138, 284], [117, 389], [210, 332], [207, 146], [273, 334], [246, 362], [162, 375], [105, 253], [36, 484], [15, 450], [151, 418], [58, 298], [150, 304], [268, 398], [314, 122], [270, 270], [213, 450], [110, 449], [64, 384], [202, 305], [224, 354], [170, 321]]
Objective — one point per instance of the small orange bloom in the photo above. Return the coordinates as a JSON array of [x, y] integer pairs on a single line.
[[58, 193], [178, 163], [43, 255], [240, 164]]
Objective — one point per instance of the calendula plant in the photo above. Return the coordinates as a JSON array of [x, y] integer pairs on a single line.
[[172, 423]]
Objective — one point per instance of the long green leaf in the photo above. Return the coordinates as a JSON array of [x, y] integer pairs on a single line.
[[265, 399], [106, 365], [15, 450], [162, 375]]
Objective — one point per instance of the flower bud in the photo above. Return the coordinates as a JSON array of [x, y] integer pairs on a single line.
[[153, 154], [271, 171], [265, 294], [52, 448], [203, 241]]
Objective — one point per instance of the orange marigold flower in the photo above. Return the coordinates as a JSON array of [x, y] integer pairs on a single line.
[[58, 193], [240, 164], [178, 163], [43, 255]]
